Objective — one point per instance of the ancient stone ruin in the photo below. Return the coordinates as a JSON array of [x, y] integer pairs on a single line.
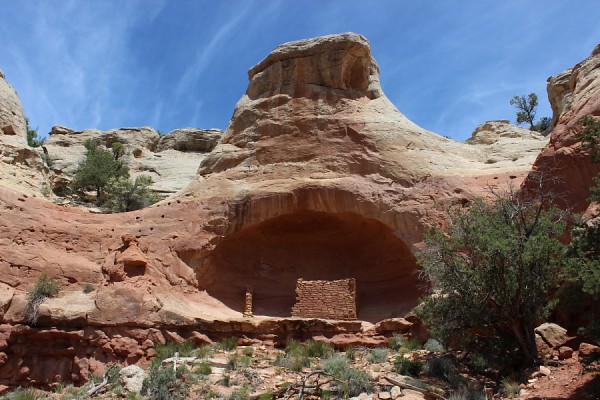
[[325, 299]]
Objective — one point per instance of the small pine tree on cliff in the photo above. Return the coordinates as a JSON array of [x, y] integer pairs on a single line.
[[491, 273], [98, 167]]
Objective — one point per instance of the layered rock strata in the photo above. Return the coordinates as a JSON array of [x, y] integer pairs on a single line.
[[318, 176], [573, 94]]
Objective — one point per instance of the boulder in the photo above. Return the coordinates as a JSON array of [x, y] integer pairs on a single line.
[[588, 351], [132, 378], [393, 325], [565, 352], [190, 140], [554, 335]]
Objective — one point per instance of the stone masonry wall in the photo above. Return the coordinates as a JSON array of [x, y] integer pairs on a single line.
[[325, 299]]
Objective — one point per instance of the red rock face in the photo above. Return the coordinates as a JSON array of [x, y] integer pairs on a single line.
[[573, 94], [318, 176]]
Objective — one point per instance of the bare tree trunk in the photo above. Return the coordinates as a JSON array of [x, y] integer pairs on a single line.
[[525, 335]]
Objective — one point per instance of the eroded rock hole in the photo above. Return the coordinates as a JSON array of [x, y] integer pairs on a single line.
[[271, 256]]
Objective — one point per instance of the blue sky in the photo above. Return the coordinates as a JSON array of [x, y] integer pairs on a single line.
[[447, 64]]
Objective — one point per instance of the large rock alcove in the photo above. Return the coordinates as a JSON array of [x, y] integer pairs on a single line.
[[272, 255]]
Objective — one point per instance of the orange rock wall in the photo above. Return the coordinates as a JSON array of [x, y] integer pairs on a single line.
[[326, 299]]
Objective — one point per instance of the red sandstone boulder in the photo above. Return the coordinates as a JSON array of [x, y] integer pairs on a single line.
[[393, 325]]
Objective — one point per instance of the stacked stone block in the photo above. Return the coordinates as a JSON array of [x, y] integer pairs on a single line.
[[325, 299]]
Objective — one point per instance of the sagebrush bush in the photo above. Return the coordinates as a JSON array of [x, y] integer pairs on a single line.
[[165, 383], [228, 344], [44, 287], [509, 387], [404, 366], [355, 381], [377, 355], [318, 349], [440, 367], [434, 346], [167, 350], [203, 368], [351, 352], [23, 394]]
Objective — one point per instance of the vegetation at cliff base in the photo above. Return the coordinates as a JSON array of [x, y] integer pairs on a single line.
[[493, 270]]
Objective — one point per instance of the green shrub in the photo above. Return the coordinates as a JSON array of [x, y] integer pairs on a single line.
[[401, 343], [165, 384], [122, 194], [318, 349], [404, 366], [248, 351], [98, 167], [478, 363], [440, 367], [356, 381], [33, 139], [241, 394], [23, 394], [434, 346], [167, 350], [88, 288], [44, 287], [236, 361], [350, 352], [203, 351], [203, 368], [228, 344], [377, 355]]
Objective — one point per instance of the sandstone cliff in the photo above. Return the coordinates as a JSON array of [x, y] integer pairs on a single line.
[[21, 167], [573, 94], [318, 176], [171, 160]]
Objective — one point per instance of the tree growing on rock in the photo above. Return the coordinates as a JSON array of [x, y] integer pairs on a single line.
[[494, 269], [526, 111], [526, 108], [123, 194], [98, 167]]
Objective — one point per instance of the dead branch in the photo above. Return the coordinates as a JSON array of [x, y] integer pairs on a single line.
[[302, 387], [411, 387], [107, 377]]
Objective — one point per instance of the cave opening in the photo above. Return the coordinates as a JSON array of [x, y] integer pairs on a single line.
[[272, 255]]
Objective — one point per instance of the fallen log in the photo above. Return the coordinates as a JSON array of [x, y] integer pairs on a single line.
[[403, 385]]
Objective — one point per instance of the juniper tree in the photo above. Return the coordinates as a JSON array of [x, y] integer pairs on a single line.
[[494, 268]]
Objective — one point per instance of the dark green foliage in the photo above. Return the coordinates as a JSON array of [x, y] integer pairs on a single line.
[[33, 139], [167, 350], [98, 167], [23, 394], [165, 384], [118, 150], [494, 269], [203, 368], [542, 125], [440, 367], [318, 349], [44, 287], [228, 344], [88, 288], [122, 194], [590, 139], [404, 366], [526, 108]]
